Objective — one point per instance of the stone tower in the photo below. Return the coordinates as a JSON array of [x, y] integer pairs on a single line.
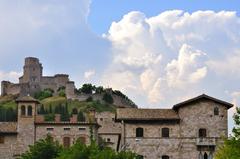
[[32, 74], [27, 108]]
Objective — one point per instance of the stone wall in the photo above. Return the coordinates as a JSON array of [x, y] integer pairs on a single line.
[[110, 131], [58, 132], [7, 150], [184, 141], [9, 88], [152, 145]]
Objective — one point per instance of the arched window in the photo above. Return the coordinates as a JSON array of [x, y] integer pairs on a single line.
[[165, 157], [139, 132], [165, 132], [202, 133], [216, 111], [66, 142], [23, 110], [29, 110], [205, 156]]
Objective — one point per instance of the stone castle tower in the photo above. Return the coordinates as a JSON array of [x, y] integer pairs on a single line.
[[32, 74]]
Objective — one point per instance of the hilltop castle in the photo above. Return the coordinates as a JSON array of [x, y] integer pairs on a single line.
[[33, 80]]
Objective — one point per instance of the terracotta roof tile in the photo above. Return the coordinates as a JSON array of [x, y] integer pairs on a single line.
[[27, 99], [8, 127], [145, 114]]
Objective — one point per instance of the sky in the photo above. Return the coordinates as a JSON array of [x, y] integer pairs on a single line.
[[157, 52]]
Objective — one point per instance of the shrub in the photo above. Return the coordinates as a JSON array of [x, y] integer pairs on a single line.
[[108, 98], [89, 99], [43, 149]]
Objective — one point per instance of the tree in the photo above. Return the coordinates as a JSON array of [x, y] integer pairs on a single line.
[[108, 98], [231, 147], [99, 90], [87, 88], [81, 117], [93, 151], [43, 149]]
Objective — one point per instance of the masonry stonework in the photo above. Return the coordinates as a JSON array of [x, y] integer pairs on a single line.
[[190, 130]]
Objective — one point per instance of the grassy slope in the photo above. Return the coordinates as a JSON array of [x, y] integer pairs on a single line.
[[8, 101]]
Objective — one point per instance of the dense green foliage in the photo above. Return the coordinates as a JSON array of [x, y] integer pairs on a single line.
[[93, 151], [44, 94], [108, 98], [49, 149], [8, 114], [43, 149], [231, 147]]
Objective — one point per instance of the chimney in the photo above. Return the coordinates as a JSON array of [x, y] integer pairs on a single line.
[[57, 118], [74, 118]]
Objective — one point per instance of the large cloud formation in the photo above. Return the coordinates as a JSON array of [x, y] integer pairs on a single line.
[[174, 55]]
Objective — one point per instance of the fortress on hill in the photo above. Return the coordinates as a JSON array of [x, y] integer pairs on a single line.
[[33, 81]]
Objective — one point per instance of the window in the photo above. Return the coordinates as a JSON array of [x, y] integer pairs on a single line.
[[205, 156], [202, 133], [216, 111], [139, 132], [82, 140], [29, 110], [82, 129], [50, 129], [165, 132], [1, 139], [23, 111], [108, 139], [66, 142], [101, 119], [165, 157], [66, 129]]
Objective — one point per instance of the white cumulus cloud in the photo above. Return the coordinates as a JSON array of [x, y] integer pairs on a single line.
[[89, 74], [173, 55]]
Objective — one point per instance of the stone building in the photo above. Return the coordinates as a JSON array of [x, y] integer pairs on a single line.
[[33, 80], [15, 137], [190, 130]]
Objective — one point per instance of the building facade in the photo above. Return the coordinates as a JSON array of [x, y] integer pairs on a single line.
[[190, 130], [15, 137]]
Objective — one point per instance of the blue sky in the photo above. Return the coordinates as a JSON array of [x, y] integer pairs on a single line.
[[102, 14], [159, 53]]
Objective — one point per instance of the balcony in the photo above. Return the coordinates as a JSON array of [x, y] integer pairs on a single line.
[[208, 141]]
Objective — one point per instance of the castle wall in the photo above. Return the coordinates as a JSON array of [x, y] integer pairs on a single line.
[[9, 88]]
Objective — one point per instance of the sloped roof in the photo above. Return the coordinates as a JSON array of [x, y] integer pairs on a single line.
[[26, 99], [146, 114], [8, 127], [201, 97]]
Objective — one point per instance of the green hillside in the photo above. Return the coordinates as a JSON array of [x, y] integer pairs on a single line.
[[52, 105]]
